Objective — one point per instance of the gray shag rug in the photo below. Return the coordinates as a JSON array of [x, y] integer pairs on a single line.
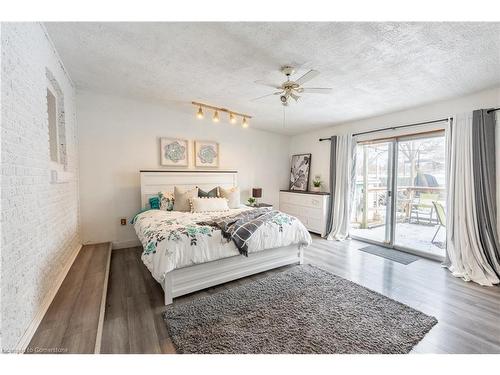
[[301, 310]]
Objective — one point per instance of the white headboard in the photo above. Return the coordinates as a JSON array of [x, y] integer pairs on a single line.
[[152, 182]]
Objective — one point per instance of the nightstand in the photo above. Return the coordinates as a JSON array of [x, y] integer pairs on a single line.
[[261, 205]]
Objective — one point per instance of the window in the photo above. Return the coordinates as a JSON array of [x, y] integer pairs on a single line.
[[52, 115], [56, 123]]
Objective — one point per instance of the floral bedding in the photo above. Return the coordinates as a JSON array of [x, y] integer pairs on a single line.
[[173, 239]]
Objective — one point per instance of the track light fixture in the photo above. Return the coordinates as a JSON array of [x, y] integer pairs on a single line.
[[199, 114], [216, 116], [233, 116]]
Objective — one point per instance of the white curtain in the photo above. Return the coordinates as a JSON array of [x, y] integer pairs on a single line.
[[465, 257], [343, 189]]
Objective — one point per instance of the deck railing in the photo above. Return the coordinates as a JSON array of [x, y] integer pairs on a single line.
[[409, 198]]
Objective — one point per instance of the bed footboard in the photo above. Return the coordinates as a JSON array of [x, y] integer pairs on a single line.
[[191, 279]]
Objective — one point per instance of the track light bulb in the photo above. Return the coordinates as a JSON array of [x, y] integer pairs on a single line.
[[244, 123], [232, 118], [216, 116], [200, 113]]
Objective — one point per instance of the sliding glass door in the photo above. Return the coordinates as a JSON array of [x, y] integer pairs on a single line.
[[421, 199], [400, 193]]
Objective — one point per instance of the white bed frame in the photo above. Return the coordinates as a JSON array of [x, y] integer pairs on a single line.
[[190, 279]]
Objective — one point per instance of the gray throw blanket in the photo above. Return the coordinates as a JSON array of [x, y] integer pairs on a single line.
[[242, 226]]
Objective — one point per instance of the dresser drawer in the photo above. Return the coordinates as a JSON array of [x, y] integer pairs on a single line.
[[302, 200], [311, 218], [312, 224], [294, 210]]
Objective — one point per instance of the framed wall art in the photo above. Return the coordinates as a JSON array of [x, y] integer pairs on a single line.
[[299, 172], [206, 154], [174, 152]]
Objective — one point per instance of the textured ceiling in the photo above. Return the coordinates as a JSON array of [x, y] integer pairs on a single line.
[[373, 68]]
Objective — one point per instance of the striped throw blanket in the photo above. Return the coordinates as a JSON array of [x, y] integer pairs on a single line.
[[240, 228]]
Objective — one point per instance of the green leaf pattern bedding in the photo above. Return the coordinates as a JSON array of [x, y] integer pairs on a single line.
[[173, 239]]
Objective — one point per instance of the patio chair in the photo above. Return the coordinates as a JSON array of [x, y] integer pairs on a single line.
[[441, 215], [423, 206]]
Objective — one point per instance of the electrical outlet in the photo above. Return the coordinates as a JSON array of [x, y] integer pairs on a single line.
[[123, 221]]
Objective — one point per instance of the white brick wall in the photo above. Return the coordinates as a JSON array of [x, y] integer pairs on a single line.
[[39, 220]]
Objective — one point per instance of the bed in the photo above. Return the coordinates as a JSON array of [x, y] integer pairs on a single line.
[[184, 254]]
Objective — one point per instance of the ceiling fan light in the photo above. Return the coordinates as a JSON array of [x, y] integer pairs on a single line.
[[200, 114], [244, 124], [232, 118], [216, 116]]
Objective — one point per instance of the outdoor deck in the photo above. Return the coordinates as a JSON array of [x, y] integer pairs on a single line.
[[412, 236]]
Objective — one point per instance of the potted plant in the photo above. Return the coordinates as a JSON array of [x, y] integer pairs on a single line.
[[251, 201], [316, 183]]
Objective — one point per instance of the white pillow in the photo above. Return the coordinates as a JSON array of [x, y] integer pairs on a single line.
[[209, 204], [232, 195]]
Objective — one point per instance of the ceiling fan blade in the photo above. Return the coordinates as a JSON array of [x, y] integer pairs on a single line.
[[316, 90], [302, 65], [307, 77], [264, 83], [265, 96]]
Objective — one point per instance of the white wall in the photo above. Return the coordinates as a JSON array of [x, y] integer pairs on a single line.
[[39, 219], [308, 142], [118, 137]]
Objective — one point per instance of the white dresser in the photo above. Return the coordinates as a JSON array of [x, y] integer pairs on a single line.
[[309, 207]]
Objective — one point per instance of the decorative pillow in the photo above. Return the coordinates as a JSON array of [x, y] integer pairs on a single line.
[[209, 204], [214, 193], [154, 202], [166, 201], [181, 199], [232, 195]]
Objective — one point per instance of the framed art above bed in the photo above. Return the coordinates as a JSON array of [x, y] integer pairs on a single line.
[[174, 152], [206, 154]]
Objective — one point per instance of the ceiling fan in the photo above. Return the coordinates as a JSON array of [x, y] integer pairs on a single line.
[[292, 89]]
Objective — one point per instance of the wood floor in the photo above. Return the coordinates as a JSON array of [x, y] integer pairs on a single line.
[[468, 314], [74, 319]]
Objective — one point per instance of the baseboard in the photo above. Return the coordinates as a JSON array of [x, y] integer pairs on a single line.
[[30, 331], [126, 244]]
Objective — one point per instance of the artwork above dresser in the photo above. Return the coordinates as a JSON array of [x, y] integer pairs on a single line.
[[311, 208]]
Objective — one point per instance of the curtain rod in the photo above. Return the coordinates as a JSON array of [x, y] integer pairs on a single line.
[[392, 128], [493, 110]]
